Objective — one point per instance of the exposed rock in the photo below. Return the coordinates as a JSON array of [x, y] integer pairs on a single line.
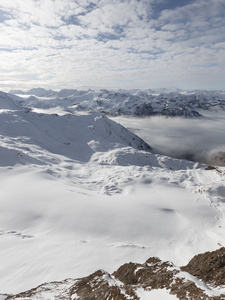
[[99, 285], [153, 274], [209, 168], [209, 266]]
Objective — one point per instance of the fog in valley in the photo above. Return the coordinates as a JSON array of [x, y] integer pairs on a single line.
[[201, 139]]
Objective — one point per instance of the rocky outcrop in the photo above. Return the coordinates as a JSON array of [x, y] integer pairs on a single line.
[[155, 274], [201, 278], [209, 267]]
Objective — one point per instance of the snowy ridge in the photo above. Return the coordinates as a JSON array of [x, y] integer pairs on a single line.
[[76, 137], [136, 103], [7, 103]]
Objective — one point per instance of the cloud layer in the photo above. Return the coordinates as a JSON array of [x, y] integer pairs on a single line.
[[117, 43], [200, 140]]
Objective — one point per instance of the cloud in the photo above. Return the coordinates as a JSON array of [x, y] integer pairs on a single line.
[[118, 42], [196, 140]]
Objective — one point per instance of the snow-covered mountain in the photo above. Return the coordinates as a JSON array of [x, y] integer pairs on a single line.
[[79, 193], [39, 92], [7, 103], [135, 102], [33, 137]]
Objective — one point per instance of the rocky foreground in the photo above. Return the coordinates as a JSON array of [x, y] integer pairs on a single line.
[[202, 278]]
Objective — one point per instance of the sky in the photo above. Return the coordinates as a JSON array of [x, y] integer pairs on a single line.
[[112, 44]]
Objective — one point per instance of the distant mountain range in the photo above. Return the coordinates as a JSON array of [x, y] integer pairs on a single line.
[[124, 102]]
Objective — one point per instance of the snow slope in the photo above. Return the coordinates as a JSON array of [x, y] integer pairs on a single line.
[[81, 193]]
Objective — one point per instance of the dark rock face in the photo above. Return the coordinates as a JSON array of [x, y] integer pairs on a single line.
[[145, 109], [99, 285], [209, 266], [154, 274]]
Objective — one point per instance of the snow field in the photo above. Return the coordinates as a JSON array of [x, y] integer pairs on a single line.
[[52, 229]]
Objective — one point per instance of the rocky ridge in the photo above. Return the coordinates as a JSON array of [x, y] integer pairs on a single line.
[[202, 278]]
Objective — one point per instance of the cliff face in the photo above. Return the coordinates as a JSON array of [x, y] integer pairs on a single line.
[[202, 278]]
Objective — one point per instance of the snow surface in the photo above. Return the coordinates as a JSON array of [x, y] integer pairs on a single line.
[[79, 194], [155, 294]]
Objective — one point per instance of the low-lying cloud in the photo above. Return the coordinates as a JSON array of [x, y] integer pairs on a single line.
[[201, 140]]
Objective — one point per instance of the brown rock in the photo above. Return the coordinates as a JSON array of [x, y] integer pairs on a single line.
[[153, 274], [209, 266]]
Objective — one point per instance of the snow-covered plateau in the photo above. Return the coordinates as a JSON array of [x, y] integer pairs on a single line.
[[92, 180]]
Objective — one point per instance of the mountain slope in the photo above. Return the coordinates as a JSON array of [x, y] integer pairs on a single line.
[[67, 135], [7, 103]]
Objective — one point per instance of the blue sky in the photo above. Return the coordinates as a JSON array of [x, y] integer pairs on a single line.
[[112, 43]]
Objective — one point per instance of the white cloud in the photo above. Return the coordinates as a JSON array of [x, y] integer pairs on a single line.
[[115, 42]]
